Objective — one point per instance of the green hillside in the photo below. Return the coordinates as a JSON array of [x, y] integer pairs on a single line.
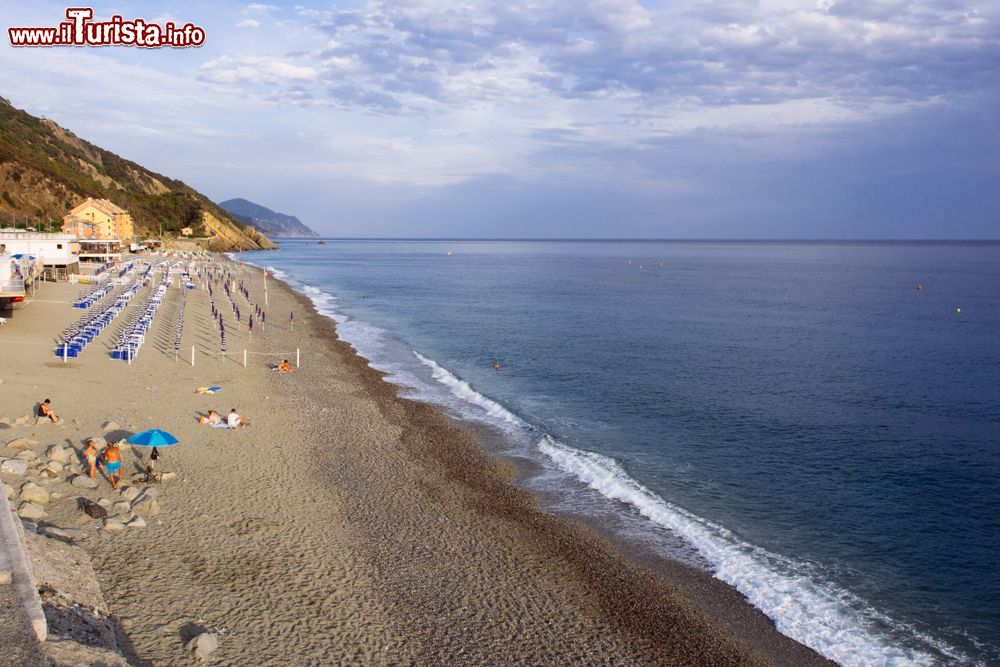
[[45, 170]]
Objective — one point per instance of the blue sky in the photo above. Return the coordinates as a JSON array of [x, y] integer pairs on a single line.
[[600, 118]]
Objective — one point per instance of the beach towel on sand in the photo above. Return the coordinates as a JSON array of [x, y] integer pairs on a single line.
[[207, 390]]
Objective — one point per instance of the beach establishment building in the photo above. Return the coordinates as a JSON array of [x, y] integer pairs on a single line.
[[100, 251], [58, 253], [99, 219]]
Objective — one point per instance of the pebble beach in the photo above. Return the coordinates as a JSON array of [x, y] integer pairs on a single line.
[[343, 525]]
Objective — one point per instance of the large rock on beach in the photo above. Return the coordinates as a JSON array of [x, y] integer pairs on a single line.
[[31, 512], [26, 455], [59, 454], [14, 466], [99, 442], [5, 421], [32, 493], [129, 493], [22, 443], [22, 420], [52, 469], [113, 525], [137, 522], [146, 506], [84, 482], [203, 645]]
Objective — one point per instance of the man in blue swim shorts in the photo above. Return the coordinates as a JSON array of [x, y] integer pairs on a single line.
[[113, 463]]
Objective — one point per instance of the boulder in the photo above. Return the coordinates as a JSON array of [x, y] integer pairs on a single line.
[[52, 469], [203, 645], [14, 466], [31, 512], [146, 506], [5, 421], [168, 476], [22, 443], [84, 482], [59, 454], [22, 420], [129, 493], [104, 502], [99, 442], [32, 493], [113, 526], [26, 455], [137, 522], [121, 507]]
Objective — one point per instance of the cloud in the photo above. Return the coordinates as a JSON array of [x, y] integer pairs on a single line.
[[248, 23], [259, 8], [428, 55], [255, 69]]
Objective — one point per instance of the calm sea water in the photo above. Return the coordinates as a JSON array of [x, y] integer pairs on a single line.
[[798, 419]]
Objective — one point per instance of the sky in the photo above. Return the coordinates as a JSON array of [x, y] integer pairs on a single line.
[[790, 119]]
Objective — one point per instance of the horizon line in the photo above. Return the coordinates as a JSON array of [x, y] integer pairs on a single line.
[[278, 239]]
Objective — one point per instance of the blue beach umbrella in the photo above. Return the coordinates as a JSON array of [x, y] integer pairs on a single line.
[[154, 437]]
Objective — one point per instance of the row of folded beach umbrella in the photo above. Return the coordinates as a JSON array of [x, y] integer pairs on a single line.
[[134, 334]]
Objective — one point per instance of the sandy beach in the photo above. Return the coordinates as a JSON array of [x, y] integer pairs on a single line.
[[344, 525]]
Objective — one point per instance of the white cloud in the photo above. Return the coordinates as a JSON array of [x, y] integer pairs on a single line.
[[248, 23], [259, 8], [255, 69]]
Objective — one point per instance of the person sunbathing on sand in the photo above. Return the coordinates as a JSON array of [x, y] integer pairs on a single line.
[[234, 420], [213, 418], [45, 410], [285, 367]]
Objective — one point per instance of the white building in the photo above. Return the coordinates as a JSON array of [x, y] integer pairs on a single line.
[[11, 285], [59, 253]]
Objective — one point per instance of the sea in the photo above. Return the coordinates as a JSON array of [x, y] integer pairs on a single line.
[[817, 424]]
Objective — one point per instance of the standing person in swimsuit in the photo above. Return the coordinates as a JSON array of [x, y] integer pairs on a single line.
[[91, 453], [113, 464]]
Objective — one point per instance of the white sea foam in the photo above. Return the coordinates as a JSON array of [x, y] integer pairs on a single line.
[[277, 273], [833, 622], [464, 391]]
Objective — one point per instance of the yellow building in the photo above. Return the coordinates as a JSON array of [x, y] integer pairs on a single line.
[[109, 221]]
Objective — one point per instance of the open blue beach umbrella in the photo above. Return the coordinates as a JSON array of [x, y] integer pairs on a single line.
[[154, 437]]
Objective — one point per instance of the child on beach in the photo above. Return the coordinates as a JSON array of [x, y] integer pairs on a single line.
[[285, 367], [91, 453]]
